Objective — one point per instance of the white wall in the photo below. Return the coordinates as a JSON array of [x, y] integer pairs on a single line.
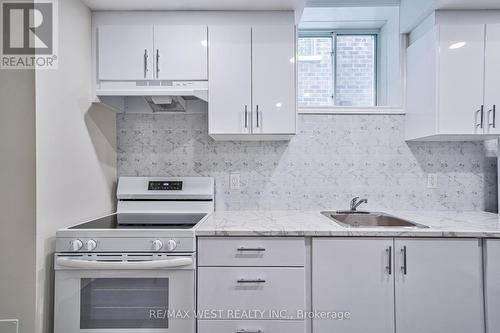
[[75, 148], [17, 197]]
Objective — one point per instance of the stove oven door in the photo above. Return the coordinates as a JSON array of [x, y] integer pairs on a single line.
[[102, 293]]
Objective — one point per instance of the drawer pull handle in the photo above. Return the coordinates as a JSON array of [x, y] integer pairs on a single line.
[[249, 331], [251, 281], [248, 249]]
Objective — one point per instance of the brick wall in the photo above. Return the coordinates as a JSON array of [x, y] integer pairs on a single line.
[[315, 80], [355, 68], [355, 71]]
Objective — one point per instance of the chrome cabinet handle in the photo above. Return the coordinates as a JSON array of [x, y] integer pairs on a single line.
[[243, 249], [494, 111], [157, 63], [249, 331], [404, 267], [481, 112], [389, 266], [145, 63], [246, 116], [251, 281], [257, 111]]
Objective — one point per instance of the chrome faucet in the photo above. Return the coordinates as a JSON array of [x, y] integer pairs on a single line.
[[355, 203]]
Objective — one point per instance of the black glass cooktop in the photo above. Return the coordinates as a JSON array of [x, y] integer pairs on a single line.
[[144, 221]]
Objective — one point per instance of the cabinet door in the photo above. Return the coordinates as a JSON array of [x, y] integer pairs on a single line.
[[180, 52], [273, 69], [230, 68], [125, 52], [492, 285], [354, 275], [461, 76], [439, 286], [492, 78], [420, 118]]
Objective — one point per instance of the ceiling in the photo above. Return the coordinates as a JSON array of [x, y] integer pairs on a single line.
[[273, 4], [195, 4]]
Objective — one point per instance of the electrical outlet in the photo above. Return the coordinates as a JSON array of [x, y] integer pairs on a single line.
[[432, 180], [234, 181]]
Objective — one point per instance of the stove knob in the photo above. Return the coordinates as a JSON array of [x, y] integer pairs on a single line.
[[171, 245], [76, 245], [90, 245], [157, 245]]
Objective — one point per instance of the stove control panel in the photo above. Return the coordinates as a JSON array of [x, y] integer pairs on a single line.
[[126, 244], [165, 186]]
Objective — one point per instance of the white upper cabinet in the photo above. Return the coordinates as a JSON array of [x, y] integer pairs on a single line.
[[492, 78], [135, 52], [125, 52], [230, 83], [452, 75], [461, 66], [252, 82], [180, 52], [273, 62]]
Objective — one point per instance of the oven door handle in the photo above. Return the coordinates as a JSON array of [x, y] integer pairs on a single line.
[[148, 264]]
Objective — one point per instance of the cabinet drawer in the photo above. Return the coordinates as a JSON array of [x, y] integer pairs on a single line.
[[251, 251], [250, 326], [251, 289]]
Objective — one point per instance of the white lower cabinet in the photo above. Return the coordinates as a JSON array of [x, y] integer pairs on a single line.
[[250, 326], [252, 284], [251, 251], [492, 284], [355, 275], [251, 288], [439, 286], [402, 285]]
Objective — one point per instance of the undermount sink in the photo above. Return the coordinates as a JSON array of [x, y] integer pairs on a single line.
[[361, 219]]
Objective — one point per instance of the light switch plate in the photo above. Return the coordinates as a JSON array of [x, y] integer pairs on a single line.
[[9, 325], [432, 180], [234, 181]]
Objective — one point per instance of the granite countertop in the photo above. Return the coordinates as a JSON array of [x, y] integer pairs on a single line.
[[312, 223]]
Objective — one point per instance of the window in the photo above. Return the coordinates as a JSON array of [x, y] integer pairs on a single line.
[[337, 69]]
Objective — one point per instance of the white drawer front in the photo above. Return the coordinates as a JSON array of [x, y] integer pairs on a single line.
[[252, 290], [251, 251], [251, 326]]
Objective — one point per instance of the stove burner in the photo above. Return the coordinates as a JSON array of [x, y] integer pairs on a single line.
[[144, 221]]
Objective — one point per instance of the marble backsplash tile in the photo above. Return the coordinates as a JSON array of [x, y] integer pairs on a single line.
[[330, 160]]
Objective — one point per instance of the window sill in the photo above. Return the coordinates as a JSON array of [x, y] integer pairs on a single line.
[[381, 110]]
